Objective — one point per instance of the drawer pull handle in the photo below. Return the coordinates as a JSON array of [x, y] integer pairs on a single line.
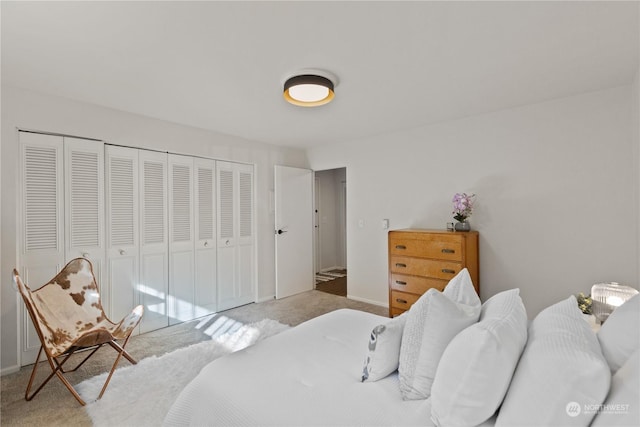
[[448, 270], [401, 301], [448, 251], [400, 282], [401, 247], [398, 264]]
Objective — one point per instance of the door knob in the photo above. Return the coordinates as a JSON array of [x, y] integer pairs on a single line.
[[85, 254], [280, 231], [121, 251], [206, 243]]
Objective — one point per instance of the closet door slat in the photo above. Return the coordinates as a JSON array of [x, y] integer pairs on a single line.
[[181, 203], [155, 203], [246, 204], [85, 199], [205, 203], [41, 198], [121, 177], [226, 213]]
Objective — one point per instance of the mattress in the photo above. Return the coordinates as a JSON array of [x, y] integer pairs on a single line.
[[309, 375]]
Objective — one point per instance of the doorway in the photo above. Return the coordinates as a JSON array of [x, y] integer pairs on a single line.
[[330, 226]]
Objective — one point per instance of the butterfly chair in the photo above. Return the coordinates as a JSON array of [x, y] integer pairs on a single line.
[[68, 317]]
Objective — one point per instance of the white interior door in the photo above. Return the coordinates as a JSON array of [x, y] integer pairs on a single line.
[[84, 203], [206, 290], [181, 239], [154, 246], [294, 230], [42, 222], [123, 233], [235, 235]]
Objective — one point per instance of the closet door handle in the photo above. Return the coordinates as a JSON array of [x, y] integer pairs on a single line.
[[400, 282], [448, 251], [448, 271], [401, 265], [121, 251], [401, 301], [403, 247]]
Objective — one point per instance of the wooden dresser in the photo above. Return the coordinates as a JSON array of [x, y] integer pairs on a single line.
[[423, 259]]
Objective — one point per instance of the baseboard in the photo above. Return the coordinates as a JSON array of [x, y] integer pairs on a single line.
[[265, 299], [368, 301], [9, 370]]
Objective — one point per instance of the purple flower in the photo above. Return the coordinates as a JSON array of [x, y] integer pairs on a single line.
[[462, 206]]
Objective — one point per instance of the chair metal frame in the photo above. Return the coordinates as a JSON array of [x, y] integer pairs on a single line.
[[90, 338]]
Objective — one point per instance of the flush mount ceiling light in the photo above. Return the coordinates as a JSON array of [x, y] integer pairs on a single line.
[[309, 90]]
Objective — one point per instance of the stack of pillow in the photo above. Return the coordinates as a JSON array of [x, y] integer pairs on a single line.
[[472, 359]]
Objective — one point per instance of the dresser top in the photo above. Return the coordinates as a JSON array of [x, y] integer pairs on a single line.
[[432, 231]]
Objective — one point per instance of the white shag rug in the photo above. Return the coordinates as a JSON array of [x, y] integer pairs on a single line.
[[141, 395]]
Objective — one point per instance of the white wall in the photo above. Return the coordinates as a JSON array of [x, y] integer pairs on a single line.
[[635, 114], [556, 187], [33, 111]]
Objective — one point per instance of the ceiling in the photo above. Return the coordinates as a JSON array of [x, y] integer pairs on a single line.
[[221, 65]]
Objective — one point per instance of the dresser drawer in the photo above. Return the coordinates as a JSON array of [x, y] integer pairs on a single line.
[[425, 267], [403, 300], [415, 284], [441, 246], [395, 311]]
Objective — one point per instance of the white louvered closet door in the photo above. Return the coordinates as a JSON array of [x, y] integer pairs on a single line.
[[205, 229], [236, 265], [153, 287], [181, 239], [123, 235], [41, 239], [246, 235], [84, 203]]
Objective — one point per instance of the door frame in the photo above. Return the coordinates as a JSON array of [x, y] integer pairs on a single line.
[[341, 203], [317, 255]]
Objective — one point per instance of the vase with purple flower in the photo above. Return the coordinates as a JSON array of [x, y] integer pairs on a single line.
[[462, 208]]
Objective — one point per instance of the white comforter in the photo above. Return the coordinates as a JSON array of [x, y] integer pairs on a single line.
[[306, 376]]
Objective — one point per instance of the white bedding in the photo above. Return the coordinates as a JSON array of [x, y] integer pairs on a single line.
[[308, 375]]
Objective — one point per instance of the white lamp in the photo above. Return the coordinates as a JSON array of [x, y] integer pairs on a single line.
[[607, 297]]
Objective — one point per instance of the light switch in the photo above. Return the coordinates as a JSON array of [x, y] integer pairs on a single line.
[[385, 224], [361, 223]]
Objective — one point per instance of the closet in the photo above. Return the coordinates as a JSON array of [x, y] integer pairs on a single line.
[[137, 235], [61, 212], [192, 250], [235, 234], [172, 232]]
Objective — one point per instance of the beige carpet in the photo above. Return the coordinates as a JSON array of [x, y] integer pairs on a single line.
[[55, 406]]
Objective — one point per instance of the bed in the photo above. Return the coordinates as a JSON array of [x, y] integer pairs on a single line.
[[307, 375], [311, 375]]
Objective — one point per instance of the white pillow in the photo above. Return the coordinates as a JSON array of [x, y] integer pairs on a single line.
[[476, 368], [618, 335], [622, 406], [561, 370], [432, 322], [384, 349]]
